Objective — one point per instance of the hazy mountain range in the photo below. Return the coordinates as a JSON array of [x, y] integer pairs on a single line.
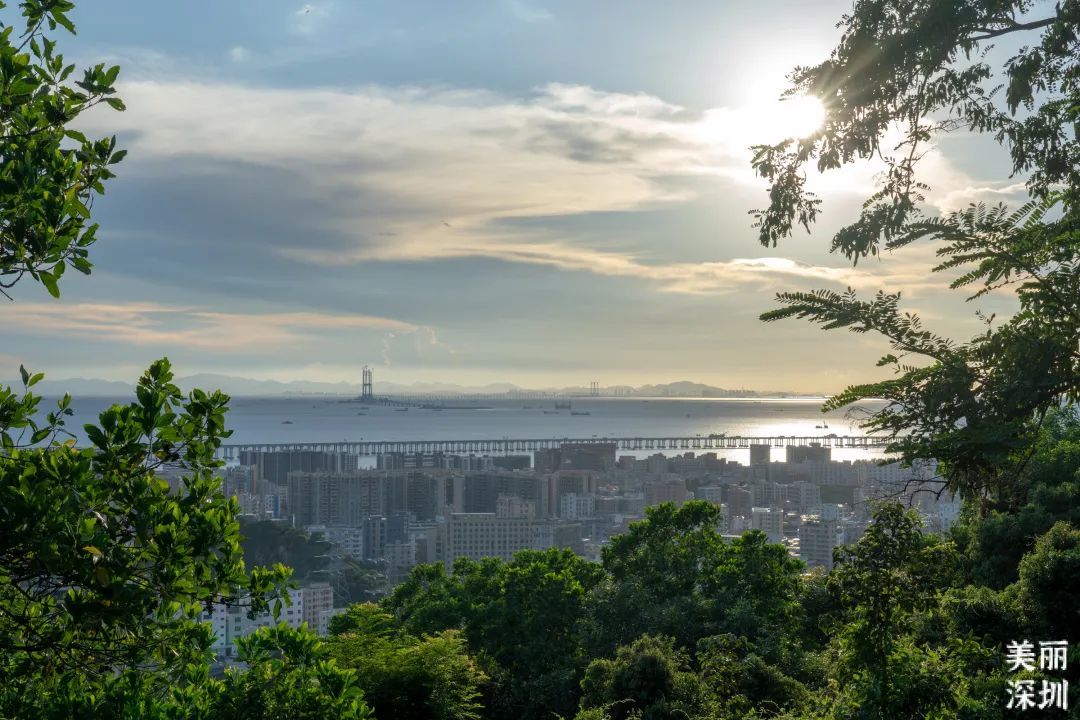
[[247, 387]]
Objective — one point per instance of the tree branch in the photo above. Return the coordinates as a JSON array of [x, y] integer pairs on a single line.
[[1015, 27]]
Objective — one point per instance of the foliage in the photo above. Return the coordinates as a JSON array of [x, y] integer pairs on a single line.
[[672, 574], [405, 676], [311, 560], [892, 573], [920, 65], [49, 172], [994, 541], [538, 596], [1049, 576], [649, 678], [289, 677], [102, 564]]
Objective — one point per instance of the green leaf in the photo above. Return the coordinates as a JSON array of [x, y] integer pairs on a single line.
[[49, 281]]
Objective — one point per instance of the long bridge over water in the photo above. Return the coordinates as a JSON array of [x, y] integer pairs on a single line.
[[511, 445]]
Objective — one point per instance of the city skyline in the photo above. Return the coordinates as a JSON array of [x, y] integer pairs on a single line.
[[312, 183]]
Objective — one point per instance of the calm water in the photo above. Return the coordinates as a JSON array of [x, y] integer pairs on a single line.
[[318, 419]]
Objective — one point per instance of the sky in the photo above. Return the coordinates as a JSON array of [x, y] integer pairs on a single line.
[[542, 192]]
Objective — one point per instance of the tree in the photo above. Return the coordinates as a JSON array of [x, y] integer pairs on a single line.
[[650, 679], [1047, 586], [311, 559], [104, 565], [289, 677], [994, 541], [920, 65], [539, 598], [405, 676], [673, 574], [49, 172], [892, 573]]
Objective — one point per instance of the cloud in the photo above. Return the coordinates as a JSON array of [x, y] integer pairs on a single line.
[[960, 197], [153, 324], [309, 17], [432, 173], [9, 365], [239, 53], [527, 12]]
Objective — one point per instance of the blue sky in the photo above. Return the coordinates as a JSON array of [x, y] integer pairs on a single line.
[[525, 191]]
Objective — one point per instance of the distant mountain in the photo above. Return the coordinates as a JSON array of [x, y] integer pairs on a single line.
[[246, 386], [78, 387], [686, 388]]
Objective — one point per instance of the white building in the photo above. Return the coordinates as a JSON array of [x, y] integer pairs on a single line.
[[316, 599], [710, 493], [574, 506], [400, 560], [817, 539], [768, 520], [229, 624]]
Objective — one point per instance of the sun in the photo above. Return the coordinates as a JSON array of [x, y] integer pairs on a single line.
[[763, 121], [800, 116]]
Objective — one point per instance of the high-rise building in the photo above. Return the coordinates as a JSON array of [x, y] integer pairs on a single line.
[[578, 482], [739, 500], [814, 452], [671, 489], [334, 499], [512, 506], [400, 560], [575, 507], [599, 457], [768, 494], [547, 460], [760, 456], [817, 539], [482, 491], [768, 520], [480, 535], [274, 467], [711, 493], [805, 495], [317, 598], [511, 462], [228, 624]]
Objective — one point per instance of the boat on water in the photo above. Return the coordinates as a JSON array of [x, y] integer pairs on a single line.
[[286, 422], [551, 412], [401, 409], [580, 412]]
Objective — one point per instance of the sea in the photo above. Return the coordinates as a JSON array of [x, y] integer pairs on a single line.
[[301, 419]]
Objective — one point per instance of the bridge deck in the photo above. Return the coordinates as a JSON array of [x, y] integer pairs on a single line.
[[510, 445]]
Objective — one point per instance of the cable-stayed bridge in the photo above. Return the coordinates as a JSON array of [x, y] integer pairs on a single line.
[[518, 445]]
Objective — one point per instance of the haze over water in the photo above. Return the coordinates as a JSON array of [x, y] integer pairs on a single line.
[[320, 419]]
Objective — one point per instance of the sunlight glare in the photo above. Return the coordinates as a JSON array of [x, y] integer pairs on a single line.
[[800, 116]]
